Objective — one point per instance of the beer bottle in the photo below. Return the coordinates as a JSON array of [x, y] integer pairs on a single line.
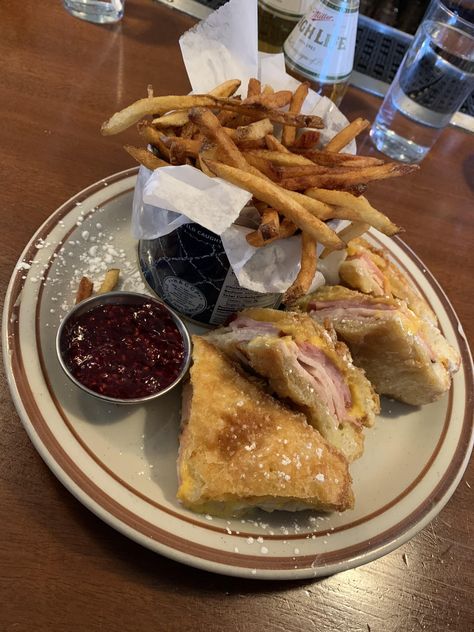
[[320, 49], [276, 20]]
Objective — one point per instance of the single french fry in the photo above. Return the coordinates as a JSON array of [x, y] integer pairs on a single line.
[[277, 198], [84, 290], [347, 206], [228, 119], [353, 230], [145, 157], [249, 145], [296, 171], [254, 131], [342, 180], [297, 99], [263, 165], [190, 146], [273, 144], [214, 131], [332, 159], [269, 224], [254, 87], [226, 89], [275, 100], [308, 267], [122, 120], [203, 167], [344, 137], [306, 140], [287, 229], [110, 281], [153, 137], [279, 157]]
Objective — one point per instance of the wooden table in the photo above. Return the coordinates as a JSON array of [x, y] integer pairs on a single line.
[[61, 568]]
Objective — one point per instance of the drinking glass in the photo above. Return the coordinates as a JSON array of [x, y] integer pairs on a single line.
[[433, 81], [98, 11]]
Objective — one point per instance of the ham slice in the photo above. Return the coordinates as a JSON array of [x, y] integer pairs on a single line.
[[309, 362], [350, 308], [331, 386]]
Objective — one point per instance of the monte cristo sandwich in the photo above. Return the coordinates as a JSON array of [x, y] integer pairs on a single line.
[[403, 355], [241, 449], [306, 366]]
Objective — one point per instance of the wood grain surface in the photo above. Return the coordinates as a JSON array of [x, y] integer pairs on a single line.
[[61, 568]]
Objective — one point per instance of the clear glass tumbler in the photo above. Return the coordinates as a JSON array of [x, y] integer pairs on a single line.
[[98, 11], [433, 81]]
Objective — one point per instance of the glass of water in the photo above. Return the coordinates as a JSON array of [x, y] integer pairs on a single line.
[[433, 81], [98, 11]]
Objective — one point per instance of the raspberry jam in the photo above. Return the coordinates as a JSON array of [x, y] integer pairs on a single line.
[[124, 351]]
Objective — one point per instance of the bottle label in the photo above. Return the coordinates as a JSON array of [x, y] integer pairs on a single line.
[[232, 298], [321, 46], [287, 8], [189, 270]]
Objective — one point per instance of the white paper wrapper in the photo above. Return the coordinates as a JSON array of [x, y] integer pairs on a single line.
[[220, 48]]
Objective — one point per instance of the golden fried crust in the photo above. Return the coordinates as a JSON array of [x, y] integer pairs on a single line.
[[240, 448]]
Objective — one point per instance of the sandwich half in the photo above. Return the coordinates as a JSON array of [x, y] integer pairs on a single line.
[[370, 271], [404, 356], [241, 449], [305, 365]]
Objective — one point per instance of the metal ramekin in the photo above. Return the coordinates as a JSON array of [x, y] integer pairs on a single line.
[[123, 298]]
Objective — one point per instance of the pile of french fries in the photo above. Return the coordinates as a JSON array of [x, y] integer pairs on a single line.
[[263, 144]]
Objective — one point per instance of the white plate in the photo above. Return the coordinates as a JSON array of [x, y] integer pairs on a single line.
[[120, 461]]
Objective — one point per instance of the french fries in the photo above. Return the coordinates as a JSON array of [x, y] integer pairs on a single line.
[[209, 123], [305, 276], [288, 136], [332, 159], [297, 186], [84, 290], [145, 157], [352, 231], [344, 137], [306, 140], [279, 199], [269, 224], [254, 131], [287, 229], [86, 286], [274, 100], [273, 144], [347, 206], [110, 281], [282, 158], [347, 178], [254, 88]]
